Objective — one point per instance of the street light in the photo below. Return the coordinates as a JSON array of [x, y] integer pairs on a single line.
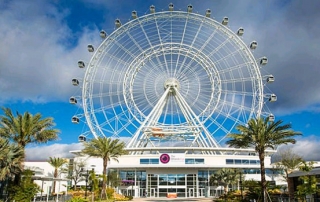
[[240, 182], [87, 178]]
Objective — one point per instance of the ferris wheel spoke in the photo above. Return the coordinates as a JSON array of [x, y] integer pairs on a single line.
[[181, 44], [219, 47], [237, 80], [226, 108], [229, 56], [161, 44], [191, 45], [150, 44]]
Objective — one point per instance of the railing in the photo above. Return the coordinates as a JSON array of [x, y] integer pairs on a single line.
[[45, 198]]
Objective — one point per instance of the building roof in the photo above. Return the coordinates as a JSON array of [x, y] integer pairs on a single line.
[[315, 171]]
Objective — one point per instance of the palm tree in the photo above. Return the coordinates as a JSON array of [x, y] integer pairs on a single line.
[[224, 177], [57, 163], [11, 156], [27, 128], [107, 149], [261, 134], [288, 161]]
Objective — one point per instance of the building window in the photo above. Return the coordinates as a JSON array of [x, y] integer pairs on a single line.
[[199, 161], [237, 161], [242, 161], [229, 161], [194, 161], [144, 161], [149, 161], [154, 161]]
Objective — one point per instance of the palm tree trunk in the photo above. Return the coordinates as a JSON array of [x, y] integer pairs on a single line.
[[55, 175], [263, 177], [17, 177], [104, 180], [290, 188]]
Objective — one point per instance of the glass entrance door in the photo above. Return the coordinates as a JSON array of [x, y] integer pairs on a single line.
[[191, 192], [201, 192], [152, 192], [142, 192]]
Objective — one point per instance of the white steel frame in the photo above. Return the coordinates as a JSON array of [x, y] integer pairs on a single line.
[[168, 66]]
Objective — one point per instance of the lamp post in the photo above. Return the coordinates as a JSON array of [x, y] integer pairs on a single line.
[[87, 178]]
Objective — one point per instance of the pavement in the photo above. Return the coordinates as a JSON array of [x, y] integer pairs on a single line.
[[172, 199]]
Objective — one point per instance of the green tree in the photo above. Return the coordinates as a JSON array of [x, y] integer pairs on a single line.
[[262, 134], [57, 163], [309, 182], [107, 149], [288, 161], [11, 156], [94, 183], [26, 128], [225, 177], [113, 178], [26, 190], [75, 172]]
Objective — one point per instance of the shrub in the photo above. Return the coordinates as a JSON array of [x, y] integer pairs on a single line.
[[77, 199], [109, 192], [26, 190]]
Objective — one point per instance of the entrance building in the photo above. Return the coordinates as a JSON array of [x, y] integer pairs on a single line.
[[183, 175]]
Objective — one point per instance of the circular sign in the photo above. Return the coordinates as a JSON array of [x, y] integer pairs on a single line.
[[164, 158]]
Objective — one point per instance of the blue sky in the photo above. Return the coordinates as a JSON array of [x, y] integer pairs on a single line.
[[43, 40]]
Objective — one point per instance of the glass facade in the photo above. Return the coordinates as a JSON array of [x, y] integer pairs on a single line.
[[184, 185], [242, 161], [139, 183]]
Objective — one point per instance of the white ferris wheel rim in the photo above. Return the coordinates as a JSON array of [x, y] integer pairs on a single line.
[[213, 68]]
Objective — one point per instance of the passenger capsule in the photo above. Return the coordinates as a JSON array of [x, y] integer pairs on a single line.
[[152, 9], [103, 34], [272, 98], [81, 64], [263, 61], [117, 23], [253, 45], [90, 48], [171, 7], [225, 21], [208, 13], [134, 14], [240, 31], [75, 82], [271, 117], [73, 100], [189, 9], [82, 138], [270, 79], [75, 120]]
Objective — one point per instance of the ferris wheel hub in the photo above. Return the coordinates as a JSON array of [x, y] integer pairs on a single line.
[[171, 83]]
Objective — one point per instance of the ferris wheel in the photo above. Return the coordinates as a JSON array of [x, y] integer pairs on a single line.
[[171, 78]]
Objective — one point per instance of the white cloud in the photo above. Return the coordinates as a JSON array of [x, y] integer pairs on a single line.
[[38, 153], [37, 59], [308, 148], [40, 50]]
